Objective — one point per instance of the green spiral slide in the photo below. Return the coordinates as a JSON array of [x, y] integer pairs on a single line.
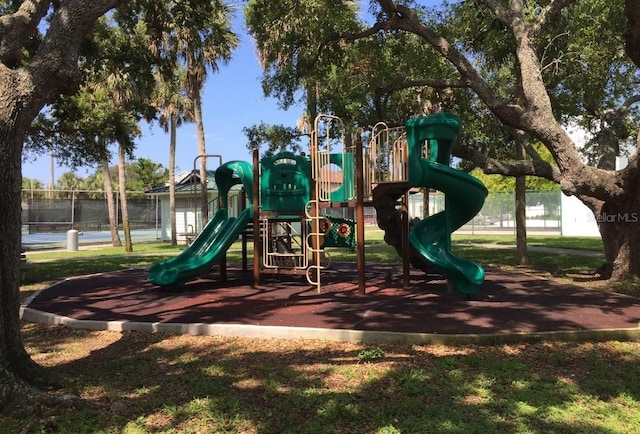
[[464, 197], [217, 235]]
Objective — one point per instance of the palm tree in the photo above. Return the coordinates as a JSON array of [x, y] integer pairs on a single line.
[[201, 38], [124, 206], [130, 86], [111, 206], [69, 181], [121, 86], [175, 107], [94, 184]]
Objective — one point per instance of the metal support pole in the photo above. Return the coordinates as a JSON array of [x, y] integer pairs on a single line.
[[194, 190], [73, 208], [242, 205], [406, 269], [256, 218], [360, 214]]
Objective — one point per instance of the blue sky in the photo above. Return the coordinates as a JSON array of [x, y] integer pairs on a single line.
[[232, 100]]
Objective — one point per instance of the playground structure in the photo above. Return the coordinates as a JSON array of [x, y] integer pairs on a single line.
[[287, 196]]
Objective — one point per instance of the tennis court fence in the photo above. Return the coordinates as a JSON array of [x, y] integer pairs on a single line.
[[62, 210]]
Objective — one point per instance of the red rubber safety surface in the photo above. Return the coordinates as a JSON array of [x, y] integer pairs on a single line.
[[509, 302]]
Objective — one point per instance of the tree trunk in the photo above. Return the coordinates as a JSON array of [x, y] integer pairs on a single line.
[[26, 86], [632, 31], [16, 366], [172, 179], [521, 206], [124, 208], [619, 225], [426, 211], [312, 103], [202, 152], [111, 205]]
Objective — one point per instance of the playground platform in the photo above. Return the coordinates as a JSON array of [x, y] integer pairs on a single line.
[[511, 307]]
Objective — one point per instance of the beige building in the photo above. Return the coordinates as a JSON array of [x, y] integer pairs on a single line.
[[189, 204]]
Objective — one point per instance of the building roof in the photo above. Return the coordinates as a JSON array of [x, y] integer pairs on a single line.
[[188, 182]]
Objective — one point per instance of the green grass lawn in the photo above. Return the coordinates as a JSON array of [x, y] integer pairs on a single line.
[[561, 242], [155, 383]]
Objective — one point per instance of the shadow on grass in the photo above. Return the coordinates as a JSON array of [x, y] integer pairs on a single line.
[[148, 383], [556, 264]]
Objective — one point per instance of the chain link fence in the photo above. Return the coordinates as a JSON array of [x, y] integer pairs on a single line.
[[543, 212], [50, 212], [48, 216], [62, 210]]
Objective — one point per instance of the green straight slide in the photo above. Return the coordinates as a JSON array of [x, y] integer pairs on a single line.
[[464, 197], [205, 251], [215, 238]]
